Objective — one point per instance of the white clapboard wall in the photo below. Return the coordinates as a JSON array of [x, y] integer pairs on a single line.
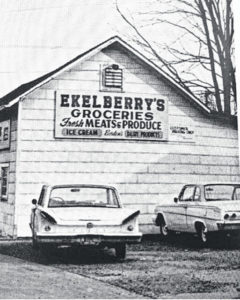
[[145, 173]]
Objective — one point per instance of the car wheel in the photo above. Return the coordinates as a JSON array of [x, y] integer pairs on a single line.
[[202, 235], [163, 230], [120, 251]]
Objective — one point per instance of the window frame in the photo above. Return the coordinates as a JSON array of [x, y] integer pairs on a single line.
[[105, 88], [200, 192], [234, 194], [195, 187], [4, 198], [40, 201], [103, 188], [233, 185]]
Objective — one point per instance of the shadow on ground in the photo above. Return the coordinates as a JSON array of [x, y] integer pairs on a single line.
[[88, 255], [62, 255]]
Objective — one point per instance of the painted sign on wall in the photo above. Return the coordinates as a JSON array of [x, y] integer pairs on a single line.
[[182, 133], [111, 116], [4, 134]]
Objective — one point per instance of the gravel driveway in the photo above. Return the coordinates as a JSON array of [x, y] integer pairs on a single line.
[[176, 268]]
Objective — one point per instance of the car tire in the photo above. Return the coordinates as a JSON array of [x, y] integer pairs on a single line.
[[163, 231], [202, 235], [120, 251]]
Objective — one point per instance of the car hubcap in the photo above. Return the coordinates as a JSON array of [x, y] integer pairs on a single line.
[[203, 235], [164, 230]]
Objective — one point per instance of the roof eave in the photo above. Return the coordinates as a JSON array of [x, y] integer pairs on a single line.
[[95, 50], [66, 66]]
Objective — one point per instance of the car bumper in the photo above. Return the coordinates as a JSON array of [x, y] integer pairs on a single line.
[[88, 239], [223, 226]]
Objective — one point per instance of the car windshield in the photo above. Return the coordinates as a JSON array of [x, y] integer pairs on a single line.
[[83, 196], [222, 192]]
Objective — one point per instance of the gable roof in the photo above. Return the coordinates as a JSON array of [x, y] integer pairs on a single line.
[[14, 96]]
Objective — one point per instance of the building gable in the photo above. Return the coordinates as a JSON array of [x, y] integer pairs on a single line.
[[21, 91]]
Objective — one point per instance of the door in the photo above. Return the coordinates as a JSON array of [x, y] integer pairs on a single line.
[[194, 210], [179, 211]]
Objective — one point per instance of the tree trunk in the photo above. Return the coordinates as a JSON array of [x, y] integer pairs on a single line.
[[211, 55]]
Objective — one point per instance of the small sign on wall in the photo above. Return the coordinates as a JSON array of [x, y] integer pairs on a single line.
[[4, 134], [182, 133], [111, 116]]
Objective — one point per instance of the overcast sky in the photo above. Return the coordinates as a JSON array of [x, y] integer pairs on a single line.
[[37, 36]]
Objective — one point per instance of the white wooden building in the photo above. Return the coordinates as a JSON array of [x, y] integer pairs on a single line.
[[108, 116]]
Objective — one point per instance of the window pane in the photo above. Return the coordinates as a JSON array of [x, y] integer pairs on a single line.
[[188, 194], [236, 195], [82, 196], [219, 192], [4, 182], [197, 194], [40, 200]]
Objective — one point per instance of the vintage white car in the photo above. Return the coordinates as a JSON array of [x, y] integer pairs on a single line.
[[84, 215], [202, 209]]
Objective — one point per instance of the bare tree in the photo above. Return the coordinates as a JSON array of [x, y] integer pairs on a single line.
[[206, 68]]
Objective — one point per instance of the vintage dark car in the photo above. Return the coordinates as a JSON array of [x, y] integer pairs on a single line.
[[83, 215], [202, 209]]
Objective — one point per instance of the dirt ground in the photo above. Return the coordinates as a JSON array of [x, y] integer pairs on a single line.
[[153, 269]]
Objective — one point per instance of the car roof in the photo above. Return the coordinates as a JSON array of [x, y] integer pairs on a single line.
[[214, 183]]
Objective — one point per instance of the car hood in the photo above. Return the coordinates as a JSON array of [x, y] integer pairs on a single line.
[[101, 215], [233, 205]]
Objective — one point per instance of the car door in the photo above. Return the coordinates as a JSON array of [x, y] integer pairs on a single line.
[[194, 210], [179, 213]]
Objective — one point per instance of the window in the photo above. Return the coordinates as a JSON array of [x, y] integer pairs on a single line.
[[111, 197], [187, 194], [4, 135], [197, 194], [4, 182], [41, 197], [112, 78], [221, 192], [76, 196], [236, 194]]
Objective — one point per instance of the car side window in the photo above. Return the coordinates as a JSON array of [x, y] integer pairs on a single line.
[[40, 200], [112, 199], [187, 194], [197, 194], [236, 194]]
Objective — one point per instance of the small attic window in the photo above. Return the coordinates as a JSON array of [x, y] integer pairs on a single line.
[[112, 77]]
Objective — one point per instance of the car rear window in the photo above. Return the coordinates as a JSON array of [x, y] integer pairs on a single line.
[[83, 196], [222, 192]]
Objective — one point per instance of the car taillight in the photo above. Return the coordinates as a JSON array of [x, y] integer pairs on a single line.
[[226, 216], [130, 228], [233, 216], [47, 228]]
